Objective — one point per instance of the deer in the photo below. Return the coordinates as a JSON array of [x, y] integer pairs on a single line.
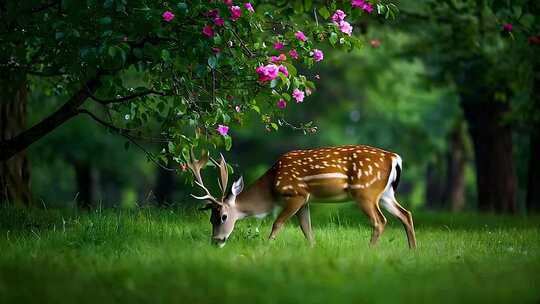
[[365, 174]]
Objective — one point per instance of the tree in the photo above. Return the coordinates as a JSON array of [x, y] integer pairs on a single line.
[[471, 44], [201, 65]]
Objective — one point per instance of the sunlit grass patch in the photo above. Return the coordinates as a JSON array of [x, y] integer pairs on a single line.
[[166, 256]]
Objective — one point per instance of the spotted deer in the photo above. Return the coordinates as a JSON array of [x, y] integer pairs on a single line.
[[362, 173]]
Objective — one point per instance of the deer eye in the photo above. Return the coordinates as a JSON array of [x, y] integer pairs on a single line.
[[223, 218]]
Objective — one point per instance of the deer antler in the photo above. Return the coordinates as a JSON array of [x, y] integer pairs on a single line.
[[223, 175], [196, 166]]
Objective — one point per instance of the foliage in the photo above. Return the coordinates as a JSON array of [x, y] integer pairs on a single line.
[[196, 61], [146, 256]]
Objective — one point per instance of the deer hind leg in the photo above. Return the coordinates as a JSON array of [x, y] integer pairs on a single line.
[[391, 205], [291, 206], [305, 222], [377, 219]]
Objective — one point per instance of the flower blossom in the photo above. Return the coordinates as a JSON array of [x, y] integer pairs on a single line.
[[219, 21], [298, 95], [375, 43], [338, 16], [294, 54], [223, 129], [238, 109], [300, 36], [235, 13], [279, 58], [283, 70], [228, 2], [508, 27], [208, 31], [267, 72], [168, 16], [249, 7], [345, 27], [318, 55], [216, 50], [364, 5], [278, 45], [281, 104], [212, 13]]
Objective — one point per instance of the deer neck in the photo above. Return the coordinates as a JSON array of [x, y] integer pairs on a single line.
[[258, 199]]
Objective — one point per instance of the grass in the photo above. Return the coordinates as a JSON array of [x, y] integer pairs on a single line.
[[164, 256]]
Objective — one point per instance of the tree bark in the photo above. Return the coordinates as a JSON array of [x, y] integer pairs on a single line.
[[495, 171], [15, 172], [86, 178], [11, 146], [533, 183], [165, 186], [456, 161], [434, 186]]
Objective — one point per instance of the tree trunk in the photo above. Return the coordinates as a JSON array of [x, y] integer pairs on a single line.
[[86, 178], [455, 184], [434, 186], [533, 185], [165, 186], [495, 171], [15, 172]]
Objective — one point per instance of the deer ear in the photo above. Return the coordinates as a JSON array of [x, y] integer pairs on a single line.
[[237, 186]]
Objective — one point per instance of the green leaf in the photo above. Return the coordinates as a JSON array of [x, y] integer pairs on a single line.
[[212, 62], [291, 68], [228, 142], [323, 11], [333, 38], [105, 20]]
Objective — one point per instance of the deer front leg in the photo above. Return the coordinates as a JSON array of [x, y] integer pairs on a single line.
[[291, 206], [305, 223]]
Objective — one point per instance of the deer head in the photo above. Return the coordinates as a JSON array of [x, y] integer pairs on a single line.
[[224, 212]]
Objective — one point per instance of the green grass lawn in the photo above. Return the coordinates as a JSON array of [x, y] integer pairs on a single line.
[[162, 256]]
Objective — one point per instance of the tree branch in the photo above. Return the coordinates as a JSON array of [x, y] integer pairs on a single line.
[[128, 136], [125, 98], [12, 146]]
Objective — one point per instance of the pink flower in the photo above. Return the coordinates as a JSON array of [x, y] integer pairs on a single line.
[[223, 129], [294, 54], [238, 109], [208, 31], [219, 21], [168, 16], [338, 16], [212, 13], [249, 7], [228, 2], [283, 70], [364, 5], [267, 72], [345, 27], [318, 55], [298, 95], [317, 76], [281, 104], [278, 45], [508, 27], [235, 12], [300, 36], [216, 50], [375, 43], [279, 58]]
